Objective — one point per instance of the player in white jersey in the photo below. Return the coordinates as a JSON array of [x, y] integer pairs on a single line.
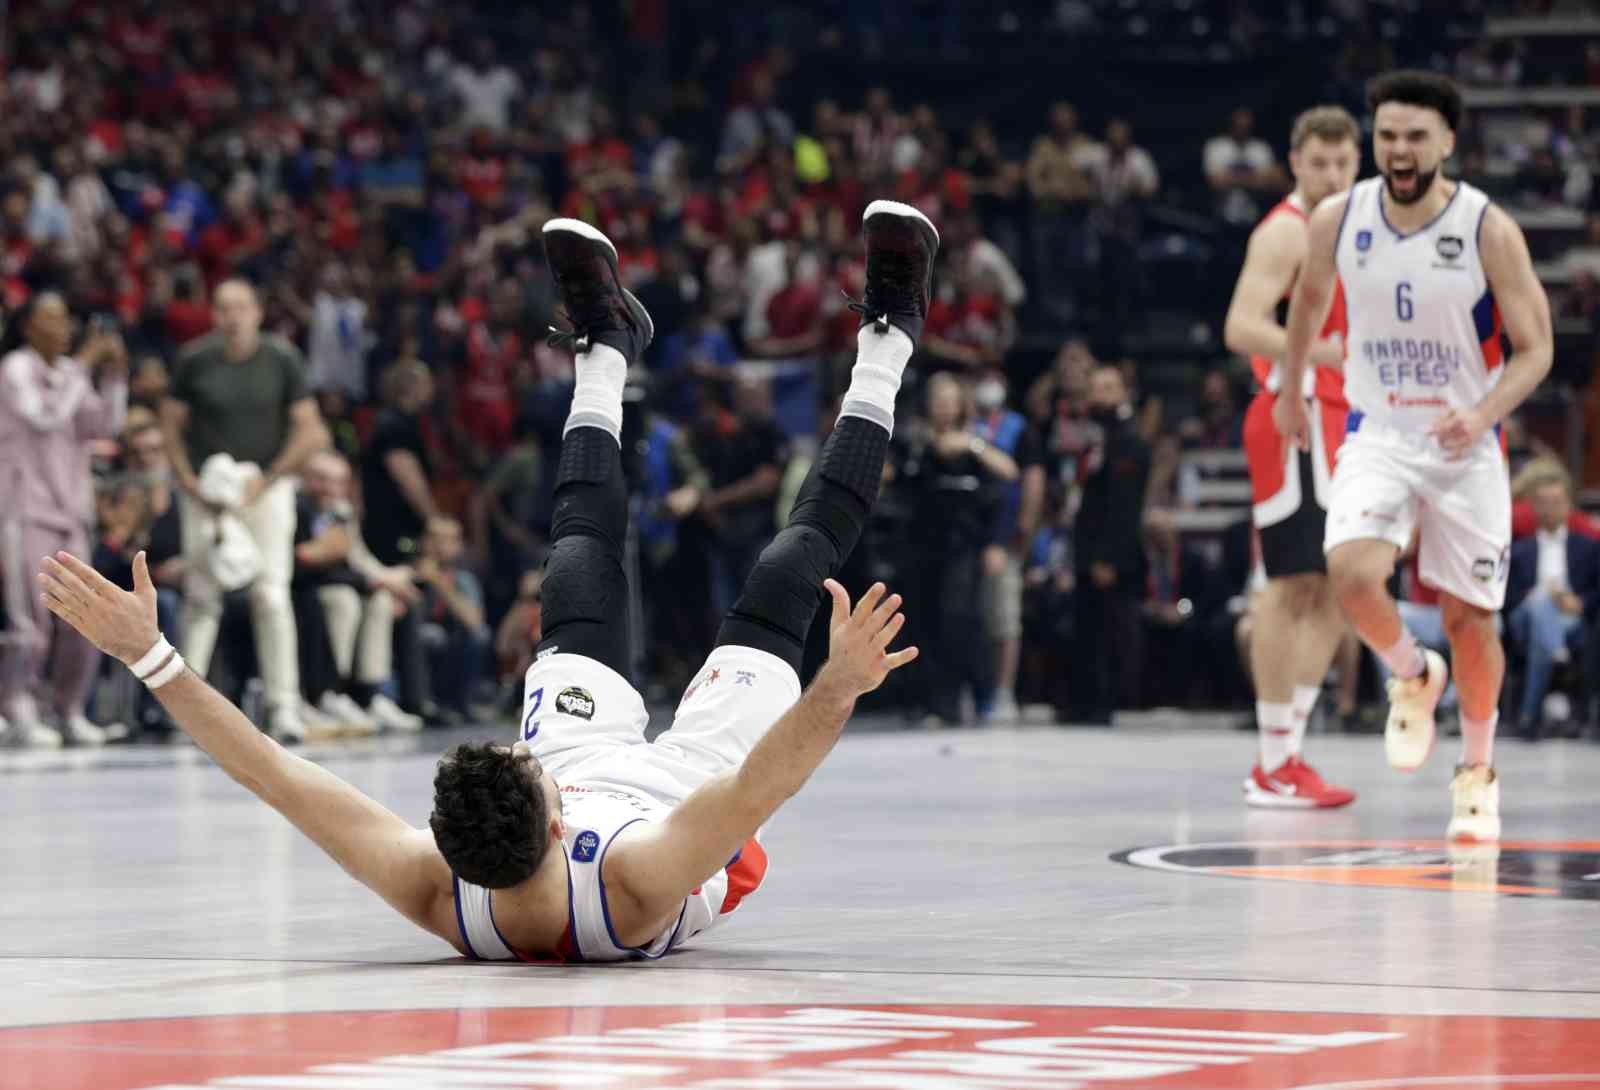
[[638, 845], [1433, 275]]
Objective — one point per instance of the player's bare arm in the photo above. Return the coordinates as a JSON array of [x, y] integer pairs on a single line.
[[1308, 309], [656, 865], [1525, 313], [1272, 261], [396, 861]]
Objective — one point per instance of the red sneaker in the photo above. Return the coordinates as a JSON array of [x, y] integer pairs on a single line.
[[1295, 785]]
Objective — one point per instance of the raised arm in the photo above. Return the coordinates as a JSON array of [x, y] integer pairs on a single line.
[[656, 865], [1525, 315], [399, 863]]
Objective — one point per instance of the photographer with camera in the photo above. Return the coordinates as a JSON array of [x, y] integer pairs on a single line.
[[52, 405]]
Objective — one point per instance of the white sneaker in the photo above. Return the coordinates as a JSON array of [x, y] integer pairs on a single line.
[[286, 726], [1005, 710], [28, 731], [1408, 737], [391, 716], [318, 727], [1475, 804], [351, 718], [76, 730]]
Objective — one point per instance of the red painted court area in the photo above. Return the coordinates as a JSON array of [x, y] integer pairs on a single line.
[[771, 1047]]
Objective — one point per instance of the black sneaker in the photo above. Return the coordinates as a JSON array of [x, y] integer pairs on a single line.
[[600, 309], [901, 243]]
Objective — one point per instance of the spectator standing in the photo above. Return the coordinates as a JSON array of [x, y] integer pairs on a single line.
[[51, 407], [1060, 172], [949, 474], [1125, 180], [339, 338], [1021, 499], [1552, 593], [241, 394], [1109, 553], [743, 454], [396, 497]]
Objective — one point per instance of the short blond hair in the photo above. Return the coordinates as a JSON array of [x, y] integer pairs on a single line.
[[1538, 473], [1330, 123]]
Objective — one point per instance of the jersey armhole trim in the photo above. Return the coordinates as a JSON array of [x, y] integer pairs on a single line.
[[1477, 238], [461, 922], [1339, 237], [605, 904]]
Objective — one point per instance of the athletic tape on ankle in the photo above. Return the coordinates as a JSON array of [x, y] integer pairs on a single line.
[[151, 659], [171, 670]]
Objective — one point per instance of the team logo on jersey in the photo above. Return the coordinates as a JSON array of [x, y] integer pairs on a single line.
[[1561, 869], [1363, 241], [586, 846], [1450, 247], [576, 702]]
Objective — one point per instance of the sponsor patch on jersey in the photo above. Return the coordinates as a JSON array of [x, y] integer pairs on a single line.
[[1363, 240], [576, 702], [1450, 247], [586, 847]]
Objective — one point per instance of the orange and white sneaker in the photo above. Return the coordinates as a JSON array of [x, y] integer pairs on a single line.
[[1474, 805], [1408, 735], [1293, 785]]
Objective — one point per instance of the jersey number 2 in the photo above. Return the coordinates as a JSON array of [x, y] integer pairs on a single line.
[[1402, 300], [528, 729]]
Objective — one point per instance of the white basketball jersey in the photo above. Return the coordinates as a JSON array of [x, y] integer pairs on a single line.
[[1424, 328], [593, 818]]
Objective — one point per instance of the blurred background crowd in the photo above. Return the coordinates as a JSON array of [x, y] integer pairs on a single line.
[[355, 194]]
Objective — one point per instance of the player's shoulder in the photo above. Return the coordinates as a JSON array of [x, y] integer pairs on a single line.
[[1283, 229]]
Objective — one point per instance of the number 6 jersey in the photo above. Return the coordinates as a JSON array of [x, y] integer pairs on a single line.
[[1424, 329]]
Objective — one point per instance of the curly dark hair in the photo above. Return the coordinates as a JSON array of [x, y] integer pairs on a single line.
[[1416, 87], [489, 818]]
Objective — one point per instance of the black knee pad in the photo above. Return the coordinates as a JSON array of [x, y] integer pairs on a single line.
[[588, 456], [781, 595], [591, 495], [852, 457], [582, 581]]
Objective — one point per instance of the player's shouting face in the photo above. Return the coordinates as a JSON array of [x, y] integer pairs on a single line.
[[1409, 142]]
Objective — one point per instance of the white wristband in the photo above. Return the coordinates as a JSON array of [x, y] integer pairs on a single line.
[[152, 658], [167, 673]]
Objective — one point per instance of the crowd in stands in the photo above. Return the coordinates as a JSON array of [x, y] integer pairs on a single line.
[[350, 205]]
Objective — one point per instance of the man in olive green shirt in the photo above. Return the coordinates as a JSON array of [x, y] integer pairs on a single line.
[[239, 393]]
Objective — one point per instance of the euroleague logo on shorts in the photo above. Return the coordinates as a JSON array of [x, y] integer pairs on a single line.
[[1561, 869], [575, 702], [1487, 569]]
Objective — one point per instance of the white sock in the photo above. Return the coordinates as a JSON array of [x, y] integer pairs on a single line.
[[1404, 659], [1305, 702], [881, 359], [1276, 734], [1477, 739], [597, 395]]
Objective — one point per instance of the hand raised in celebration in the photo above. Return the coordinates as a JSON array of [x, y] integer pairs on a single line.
[[120, 624], [858, 640]]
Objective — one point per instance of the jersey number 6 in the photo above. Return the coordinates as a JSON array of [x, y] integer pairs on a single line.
[[1402, 300]]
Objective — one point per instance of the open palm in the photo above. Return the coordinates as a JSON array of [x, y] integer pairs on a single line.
[[119, 623]]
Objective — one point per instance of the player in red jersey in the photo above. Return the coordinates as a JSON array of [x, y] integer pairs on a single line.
[[1298, 624]]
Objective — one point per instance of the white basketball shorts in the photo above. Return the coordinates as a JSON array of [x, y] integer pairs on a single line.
[[1388, 483], [586, 724]]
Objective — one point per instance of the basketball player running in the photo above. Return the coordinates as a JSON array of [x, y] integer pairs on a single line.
[[582, 841], [1298, 625], [1433, 272]]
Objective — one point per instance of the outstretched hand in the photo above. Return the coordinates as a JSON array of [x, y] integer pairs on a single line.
[[119, 623], [858, 639]]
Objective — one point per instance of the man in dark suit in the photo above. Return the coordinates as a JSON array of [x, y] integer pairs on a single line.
[[1553, 594]]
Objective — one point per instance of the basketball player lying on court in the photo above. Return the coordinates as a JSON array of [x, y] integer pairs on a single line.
[[581, 841]]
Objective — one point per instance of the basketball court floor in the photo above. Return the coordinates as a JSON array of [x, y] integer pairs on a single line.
[[956, 910]]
